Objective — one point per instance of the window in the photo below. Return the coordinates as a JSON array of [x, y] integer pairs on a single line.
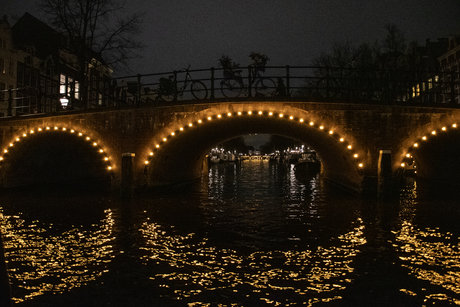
[[430, 84], [77, 90], [11, 68], [62, 84], [2, 66]]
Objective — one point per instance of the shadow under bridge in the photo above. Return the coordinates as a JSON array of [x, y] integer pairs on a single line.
[[179, 150]]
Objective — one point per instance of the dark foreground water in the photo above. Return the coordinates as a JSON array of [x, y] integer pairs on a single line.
[[248, 235]]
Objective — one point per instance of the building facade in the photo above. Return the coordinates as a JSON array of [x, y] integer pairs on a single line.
[[450, 71], [43, 73]]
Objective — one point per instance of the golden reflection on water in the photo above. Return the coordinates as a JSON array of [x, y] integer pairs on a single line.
[[279, 278], [40, 262], [433, 256]]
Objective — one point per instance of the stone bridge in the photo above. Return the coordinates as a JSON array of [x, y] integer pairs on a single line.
[[170, 143]]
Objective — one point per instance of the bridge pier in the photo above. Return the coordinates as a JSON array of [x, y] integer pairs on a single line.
[[127, 174]]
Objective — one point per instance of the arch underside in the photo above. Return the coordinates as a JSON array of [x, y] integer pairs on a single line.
[[54, 160], [439, 156], [180, 159]]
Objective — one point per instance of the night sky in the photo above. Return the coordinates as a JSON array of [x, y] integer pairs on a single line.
[[182, 32]]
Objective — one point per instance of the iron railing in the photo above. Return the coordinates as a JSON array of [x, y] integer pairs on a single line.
[[306, 83]]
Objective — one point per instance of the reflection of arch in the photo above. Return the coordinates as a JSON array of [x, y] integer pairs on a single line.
[[42, 145], [434, 154], [178, 152]]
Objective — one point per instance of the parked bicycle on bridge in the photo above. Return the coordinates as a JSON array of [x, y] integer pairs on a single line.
[[169, 88], [232, 85]]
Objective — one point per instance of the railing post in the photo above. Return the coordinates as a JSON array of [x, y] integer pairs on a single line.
[[288, 82], [10, 102], [250, 81], [175, 85], [212, 83], [138, 88]]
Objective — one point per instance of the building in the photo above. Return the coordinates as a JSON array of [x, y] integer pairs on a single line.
[[45, 73], [421, 71], [450, 71], [8, 60]]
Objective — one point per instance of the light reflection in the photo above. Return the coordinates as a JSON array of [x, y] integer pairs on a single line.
[[433, 256], [191, 266], [40, 262]]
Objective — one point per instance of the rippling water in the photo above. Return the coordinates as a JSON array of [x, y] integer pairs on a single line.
[[249, 234]]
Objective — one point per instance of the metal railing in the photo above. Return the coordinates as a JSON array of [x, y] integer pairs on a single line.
[[328, 84]]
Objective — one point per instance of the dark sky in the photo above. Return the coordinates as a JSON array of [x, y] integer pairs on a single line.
[[197, 32]]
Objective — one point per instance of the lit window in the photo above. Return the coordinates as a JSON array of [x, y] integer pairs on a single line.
[[62, 86]]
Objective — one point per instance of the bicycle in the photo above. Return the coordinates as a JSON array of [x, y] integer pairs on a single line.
[[232, 85], [168, 89]]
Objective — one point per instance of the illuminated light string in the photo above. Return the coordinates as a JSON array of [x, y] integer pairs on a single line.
[[408, 157], [281, 116], [17, 139]]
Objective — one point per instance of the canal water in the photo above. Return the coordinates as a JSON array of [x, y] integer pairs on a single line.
[[248, 234]]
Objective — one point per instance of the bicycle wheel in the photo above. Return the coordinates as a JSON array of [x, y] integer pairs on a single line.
[[326, 88], [265, 87], [231, 88], [199, 90]]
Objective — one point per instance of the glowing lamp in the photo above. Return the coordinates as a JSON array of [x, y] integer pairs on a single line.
[[165, 139], [403, 164], [281, 115]]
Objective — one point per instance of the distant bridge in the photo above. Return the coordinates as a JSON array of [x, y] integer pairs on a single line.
[[170, 140]]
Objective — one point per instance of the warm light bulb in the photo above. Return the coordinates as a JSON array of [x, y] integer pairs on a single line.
[[281, 115], [229, 114], [151, 153], [443, 128], [360, 165], [291, 117], [239, 113], [403, 164], [355, 155], [331, 132], [454, 125], [190, 124], [433, 132], [349, 146], [341, 140], [249, 112], [172, 133], [312, 123], [165, 139], [301, 120], [219, 116], [94, 144], [157, 146], [270, 113]]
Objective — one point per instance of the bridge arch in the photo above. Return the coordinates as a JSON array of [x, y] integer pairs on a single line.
[[433, 152], [176, 153], [53, 155]]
